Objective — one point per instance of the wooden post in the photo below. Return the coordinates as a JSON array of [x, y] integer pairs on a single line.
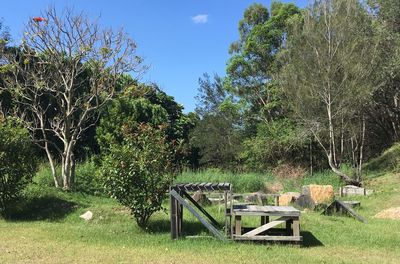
[[173, 217], [277, 200], [180, 218], [296, 226], [226, 216], [238, 225]]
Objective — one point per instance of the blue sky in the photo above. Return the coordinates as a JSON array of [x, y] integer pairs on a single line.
[[179, 40]]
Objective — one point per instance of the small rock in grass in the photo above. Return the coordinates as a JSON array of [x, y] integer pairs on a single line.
[[87, 216]]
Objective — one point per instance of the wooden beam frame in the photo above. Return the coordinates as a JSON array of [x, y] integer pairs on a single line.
[[198, 206], [176, 197]]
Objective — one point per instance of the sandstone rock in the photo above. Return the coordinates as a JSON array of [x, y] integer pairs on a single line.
[[320, 194], [287, 198], [305, 201], [201, 198], [87, 216]]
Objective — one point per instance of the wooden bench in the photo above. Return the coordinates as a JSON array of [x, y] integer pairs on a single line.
[[287, 215]]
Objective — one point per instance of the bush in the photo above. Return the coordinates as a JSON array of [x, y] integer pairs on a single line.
[[17, 162], [87, 178], [43, 177], [137, 172]]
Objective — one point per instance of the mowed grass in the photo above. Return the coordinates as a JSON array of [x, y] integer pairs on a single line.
[[46, 228]]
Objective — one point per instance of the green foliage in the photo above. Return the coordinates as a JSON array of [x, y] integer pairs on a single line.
[[17, 161], [88, 179], [277, 142], [138, 172], [149, 105], [253, 58], [43, 176]]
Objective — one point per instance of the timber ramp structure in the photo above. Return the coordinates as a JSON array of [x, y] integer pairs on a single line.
[[233, 229]]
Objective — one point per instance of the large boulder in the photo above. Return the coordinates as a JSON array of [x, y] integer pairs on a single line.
[[320, 194], [289, 197], [305, 201]]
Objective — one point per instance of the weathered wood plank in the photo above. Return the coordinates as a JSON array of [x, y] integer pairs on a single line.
[[269, 238], [339, 205], [210, 227], [173, 218], [265, 227], [238, 225]]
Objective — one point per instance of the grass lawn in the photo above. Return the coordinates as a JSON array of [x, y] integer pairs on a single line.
[[47, 229]]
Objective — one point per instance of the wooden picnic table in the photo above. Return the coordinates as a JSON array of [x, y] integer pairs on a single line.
[[287, 215]]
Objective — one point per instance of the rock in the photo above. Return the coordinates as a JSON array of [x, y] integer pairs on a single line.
[[320, 194], [257, 197], [287, 198], [354, 190], [305, 201], [87, 216], [201, 198]]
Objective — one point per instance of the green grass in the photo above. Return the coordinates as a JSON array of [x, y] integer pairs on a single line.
[[45, 228], [388, 161]]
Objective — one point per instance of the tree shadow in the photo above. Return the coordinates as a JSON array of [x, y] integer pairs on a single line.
[[43, 208]]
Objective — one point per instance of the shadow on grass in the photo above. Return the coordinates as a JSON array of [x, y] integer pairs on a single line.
[[43, 208], [189, 228], [309, 240]]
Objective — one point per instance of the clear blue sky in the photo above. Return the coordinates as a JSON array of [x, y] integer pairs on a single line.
[[179, 40]]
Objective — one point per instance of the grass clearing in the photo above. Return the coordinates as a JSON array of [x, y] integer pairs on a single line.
[[37, 236]]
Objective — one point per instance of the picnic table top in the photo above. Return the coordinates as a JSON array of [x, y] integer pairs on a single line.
[[265, 210]]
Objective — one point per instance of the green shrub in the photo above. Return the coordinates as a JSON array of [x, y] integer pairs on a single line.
[[17, 161], [137, 172], [43, 177], [87, 178]]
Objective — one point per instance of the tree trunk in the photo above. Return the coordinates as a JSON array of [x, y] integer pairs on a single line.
[[342, 175], [361, 149], [68, 166], [52, 166]]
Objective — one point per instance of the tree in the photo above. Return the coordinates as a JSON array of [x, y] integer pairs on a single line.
[[327, 71], [138, 172], [384, 112], [17, 162], [66, 69], [147, 104], [216, 135], [5, 99], [250, 69]]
